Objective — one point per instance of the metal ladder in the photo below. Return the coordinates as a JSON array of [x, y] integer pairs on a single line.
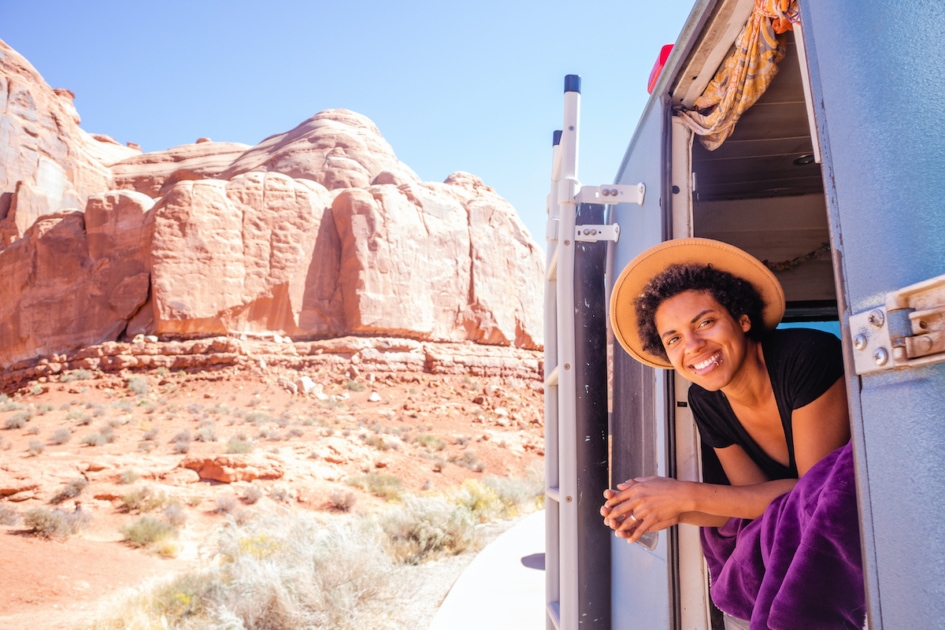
[[567, 594]]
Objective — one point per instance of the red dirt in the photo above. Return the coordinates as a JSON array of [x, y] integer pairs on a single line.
[[470, 427]]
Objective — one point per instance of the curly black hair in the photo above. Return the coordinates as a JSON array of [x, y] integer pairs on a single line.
[[738, 296]]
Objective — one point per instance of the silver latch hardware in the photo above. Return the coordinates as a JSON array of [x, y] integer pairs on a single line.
[[909, 330], [594, 233]]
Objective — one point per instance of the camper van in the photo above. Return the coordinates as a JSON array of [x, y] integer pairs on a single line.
[[835, 177]]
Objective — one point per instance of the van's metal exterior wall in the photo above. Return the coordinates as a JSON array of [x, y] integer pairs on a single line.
[[641, 590], [879, 92]]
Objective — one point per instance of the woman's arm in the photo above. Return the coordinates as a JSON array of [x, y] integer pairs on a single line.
[[821, 427], [658, 502]]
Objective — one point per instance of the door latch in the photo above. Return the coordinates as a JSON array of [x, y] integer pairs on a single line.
[[909, 330]]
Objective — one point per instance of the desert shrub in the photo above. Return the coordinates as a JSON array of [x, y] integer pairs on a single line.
[[175, 514], [81, 419], [150, 434], [137, 385], [430, 441], [423, 528], [71, 490], [108, 432], [252, 494], [341, 500], [207, 432], [226, 504], [60, 436], [144, 499], [280, 494], [237, 445], [289, 571], [43, 409], [94, 439], [270, 434], [76, 375], [469, 460], [380, 484], [355, 386], [181, 442], [8, 405], [148, 531], [128, 477], [518, 496], [18, 420], [54, 523], [9, 516], [35, 448], [481, 501]]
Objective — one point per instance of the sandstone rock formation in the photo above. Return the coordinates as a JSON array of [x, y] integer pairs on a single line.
[[47, 162], [315, 233]]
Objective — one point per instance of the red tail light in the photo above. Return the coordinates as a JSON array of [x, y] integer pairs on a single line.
[[658, 67]]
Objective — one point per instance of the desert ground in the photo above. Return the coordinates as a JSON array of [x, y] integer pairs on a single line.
[[223, 445]]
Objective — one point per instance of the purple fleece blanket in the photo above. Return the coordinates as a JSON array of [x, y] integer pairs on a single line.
[[798, 565]]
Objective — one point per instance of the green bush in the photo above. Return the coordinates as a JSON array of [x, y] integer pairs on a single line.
[[147, 531], [237, 445], [423, 528], [144, 499], [76, 375], [53, 523], [380, 484]]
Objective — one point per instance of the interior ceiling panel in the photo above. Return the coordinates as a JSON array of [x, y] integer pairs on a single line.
[[765, 155]]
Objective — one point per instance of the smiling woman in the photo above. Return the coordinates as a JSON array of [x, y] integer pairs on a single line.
[[772, 406]]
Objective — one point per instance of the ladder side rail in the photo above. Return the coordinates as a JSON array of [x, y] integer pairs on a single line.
[[552, 494], [567, 388]]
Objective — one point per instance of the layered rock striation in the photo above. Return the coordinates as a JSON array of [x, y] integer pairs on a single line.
[[315, 233]]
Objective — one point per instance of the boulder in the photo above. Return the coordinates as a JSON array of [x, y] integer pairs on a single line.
[[74, 279]]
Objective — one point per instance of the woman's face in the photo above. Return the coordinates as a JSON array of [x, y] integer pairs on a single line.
[[704, 343]]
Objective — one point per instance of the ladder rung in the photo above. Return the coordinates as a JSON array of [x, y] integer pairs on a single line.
[[552, 379], [554, 613], [553, 493]]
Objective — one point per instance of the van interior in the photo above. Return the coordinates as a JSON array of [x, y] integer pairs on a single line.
[[762, 191]]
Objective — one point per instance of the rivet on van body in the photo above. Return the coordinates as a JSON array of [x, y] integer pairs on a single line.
[[880, 357]]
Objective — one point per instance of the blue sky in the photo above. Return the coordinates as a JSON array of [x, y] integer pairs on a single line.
[[453, 86]]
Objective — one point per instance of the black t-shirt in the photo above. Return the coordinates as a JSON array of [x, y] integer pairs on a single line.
[[802, 364]]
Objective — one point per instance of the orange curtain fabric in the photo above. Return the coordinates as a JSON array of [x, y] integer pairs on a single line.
[[744, 75]]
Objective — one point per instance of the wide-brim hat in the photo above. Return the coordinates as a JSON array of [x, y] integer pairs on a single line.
[[722, 256]]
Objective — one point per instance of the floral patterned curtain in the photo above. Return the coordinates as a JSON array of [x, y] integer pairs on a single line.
[[744, 75]]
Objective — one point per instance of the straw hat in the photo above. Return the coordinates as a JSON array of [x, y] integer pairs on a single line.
[[643, 268]]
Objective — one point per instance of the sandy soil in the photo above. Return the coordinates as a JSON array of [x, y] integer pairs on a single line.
[[428, 432]]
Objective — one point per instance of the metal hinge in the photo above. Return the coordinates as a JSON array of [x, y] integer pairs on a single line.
[[909, 330], [612, 194], [594, 233]]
